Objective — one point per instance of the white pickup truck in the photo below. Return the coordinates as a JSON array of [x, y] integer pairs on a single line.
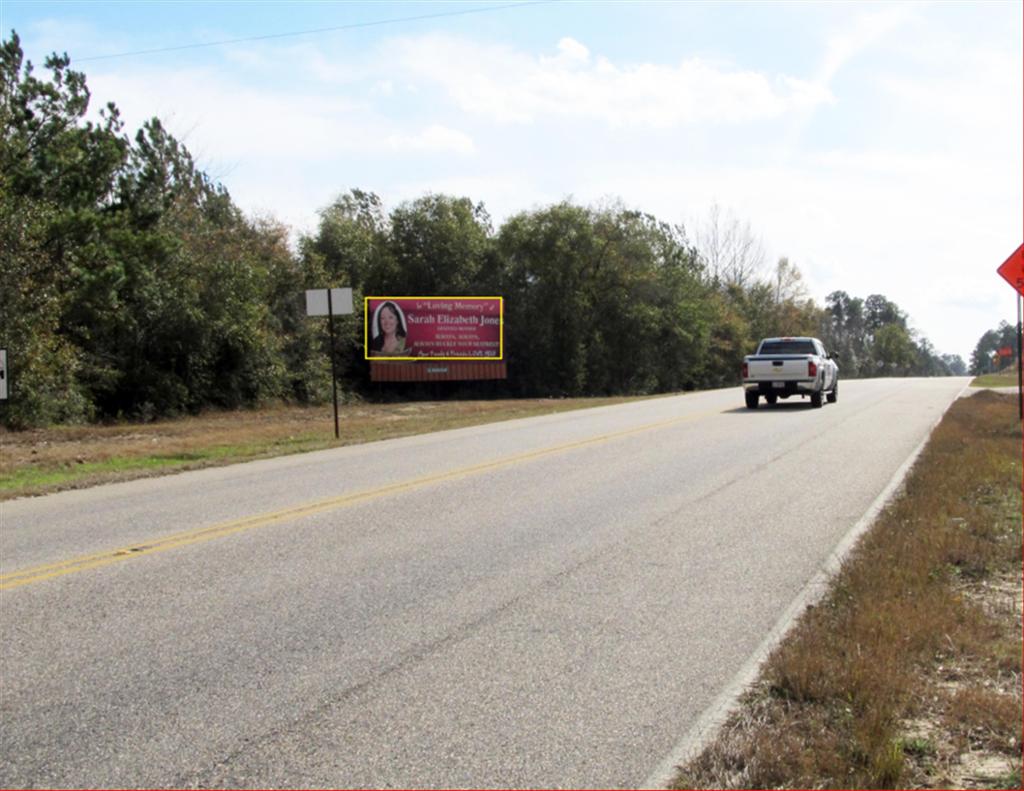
[[784, 367]]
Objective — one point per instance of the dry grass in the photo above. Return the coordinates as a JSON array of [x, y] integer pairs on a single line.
[[982, 717], [910, 668], [1004, 378], [47, 460]]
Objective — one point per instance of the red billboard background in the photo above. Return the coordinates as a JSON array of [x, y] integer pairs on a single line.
[[438, 328]]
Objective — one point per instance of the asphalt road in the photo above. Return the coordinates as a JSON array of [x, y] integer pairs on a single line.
[[550, 602]]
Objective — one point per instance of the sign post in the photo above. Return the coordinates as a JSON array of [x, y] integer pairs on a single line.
[[334, 373], [327, 302], [3, 374], [1012, 271]]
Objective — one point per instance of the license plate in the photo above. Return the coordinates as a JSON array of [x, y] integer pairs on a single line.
[[778, 384]]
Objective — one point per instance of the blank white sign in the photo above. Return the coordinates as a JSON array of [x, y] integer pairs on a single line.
[[341, 301]]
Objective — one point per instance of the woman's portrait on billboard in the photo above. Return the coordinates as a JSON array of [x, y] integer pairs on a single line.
[[388, 331]]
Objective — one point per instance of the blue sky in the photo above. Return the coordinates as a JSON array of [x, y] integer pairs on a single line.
[[877, 145]]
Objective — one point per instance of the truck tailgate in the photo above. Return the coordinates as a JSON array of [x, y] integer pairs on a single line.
[[772, 369]]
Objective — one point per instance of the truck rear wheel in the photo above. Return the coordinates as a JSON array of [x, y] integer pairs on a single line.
[[816, 400], [834, 395], [751, 400]]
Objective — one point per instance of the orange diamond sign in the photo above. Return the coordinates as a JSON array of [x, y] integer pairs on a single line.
[[1012, 270]]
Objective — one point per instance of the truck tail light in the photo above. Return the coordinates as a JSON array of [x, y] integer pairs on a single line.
[[812, 368], [745, 371]]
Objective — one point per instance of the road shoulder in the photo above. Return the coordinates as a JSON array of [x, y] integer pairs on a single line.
[[870, 689]]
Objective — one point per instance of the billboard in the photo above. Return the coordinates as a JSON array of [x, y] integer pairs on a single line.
[[433, 328]]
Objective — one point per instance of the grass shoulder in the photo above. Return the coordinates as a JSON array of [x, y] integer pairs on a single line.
[[1002, 379], [43, 461], [908, 672]]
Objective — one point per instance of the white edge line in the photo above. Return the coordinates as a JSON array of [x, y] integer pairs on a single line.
[[705, 729]]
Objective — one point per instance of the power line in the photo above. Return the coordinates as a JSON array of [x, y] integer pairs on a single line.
[[352, 26]]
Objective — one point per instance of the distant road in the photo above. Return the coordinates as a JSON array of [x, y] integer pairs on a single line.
[[549, 602]]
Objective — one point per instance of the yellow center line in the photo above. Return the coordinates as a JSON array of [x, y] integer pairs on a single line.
[[16, 579]]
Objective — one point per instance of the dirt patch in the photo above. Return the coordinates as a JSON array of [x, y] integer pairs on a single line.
[[970, 717]]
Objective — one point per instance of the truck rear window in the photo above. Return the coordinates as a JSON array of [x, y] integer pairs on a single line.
[[787, 347]]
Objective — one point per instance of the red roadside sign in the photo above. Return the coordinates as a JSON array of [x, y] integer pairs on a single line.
[[1012, 270]]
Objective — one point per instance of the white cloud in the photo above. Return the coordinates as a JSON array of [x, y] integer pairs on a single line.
[[509, 86], [867, 31], [880, 162], [433, 139], [228, 120], [232, 120], [977, 92], [570, 53], [78, 37]]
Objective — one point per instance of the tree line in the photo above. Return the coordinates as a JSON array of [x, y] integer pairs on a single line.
[[986, 358], [133, 286]]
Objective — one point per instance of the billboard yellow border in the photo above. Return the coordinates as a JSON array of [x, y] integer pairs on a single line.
[[501, 331]]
